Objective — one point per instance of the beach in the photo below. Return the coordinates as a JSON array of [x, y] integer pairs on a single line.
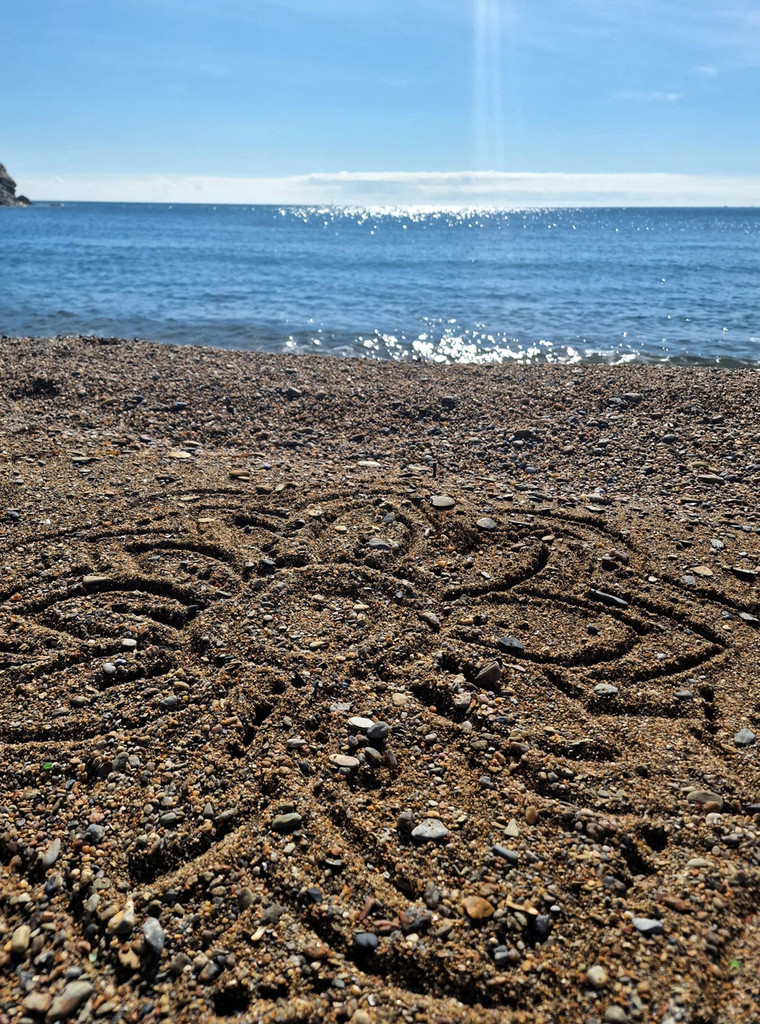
[[349, 690]]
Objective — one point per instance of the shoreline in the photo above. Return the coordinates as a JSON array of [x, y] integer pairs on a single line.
[[351, 690]]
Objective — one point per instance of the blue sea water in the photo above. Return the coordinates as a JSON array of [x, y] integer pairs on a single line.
[[475, 286]]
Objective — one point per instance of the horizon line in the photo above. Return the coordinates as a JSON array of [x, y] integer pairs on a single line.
[[420, 189]]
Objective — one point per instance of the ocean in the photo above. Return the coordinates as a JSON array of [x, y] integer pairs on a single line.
[[561, 285]]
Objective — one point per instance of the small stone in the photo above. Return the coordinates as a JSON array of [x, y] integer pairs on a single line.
[[20, 940], [510, 645], [609, 599], [378, 733], [37, 1003], [123, 922], [597, 976], [605, 690], [648, 926], [744, 738], [615, 1015], [487, 524], [68, 1002], [405, 822], [489, 676], [51, 854], [510, 856], [287, 823], [345, 761], [210, 972], [361, 724], [372, 757], [431, 619], [442, 501], [531, 814], [749, 620], [155, 937], [500, 957], [705, 796], [316, 950], [378, 544], [477, 908], [292, 393], [94, 580], [366, 942], [449, 401], [245, 898], [431, 830], [94, 834], [748, 575]]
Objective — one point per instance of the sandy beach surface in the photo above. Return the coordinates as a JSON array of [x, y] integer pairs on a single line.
[[355, 691]]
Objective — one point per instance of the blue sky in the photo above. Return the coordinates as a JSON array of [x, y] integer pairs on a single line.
[[223, 99]]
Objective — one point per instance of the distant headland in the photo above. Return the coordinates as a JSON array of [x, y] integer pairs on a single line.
[[8, 195]]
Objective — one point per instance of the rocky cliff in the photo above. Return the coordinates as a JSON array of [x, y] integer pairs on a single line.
[[8, 195]]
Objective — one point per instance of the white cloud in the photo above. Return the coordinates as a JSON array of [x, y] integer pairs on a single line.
[[651, 96], [707, 70], [398, 188]]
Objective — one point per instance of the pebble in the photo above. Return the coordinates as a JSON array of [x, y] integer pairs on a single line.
[[94, 834], [378, 733], [615, 1015], [531, 814], [431, 619], [605, 690], [68, 1002], [510, 645], [123, 922], [345, 761], [361, 724], [705, 796], [51, 854], [155, 937], [511, 856], [597, 976], [287, 823], [442, 501], [477, 908], [610, 599], [20, 940], [431, 830], [37, 1003], [487, 524], [366, 942], [489, 676], [378, 544], [744, 738], [648, 926]]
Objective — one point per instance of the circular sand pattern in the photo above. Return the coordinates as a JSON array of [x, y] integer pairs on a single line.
[[208, 674]]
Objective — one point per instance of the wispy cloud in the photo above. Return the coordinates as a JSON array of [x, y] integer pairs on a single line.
[[649, 96], [426, 189], [707, 70]]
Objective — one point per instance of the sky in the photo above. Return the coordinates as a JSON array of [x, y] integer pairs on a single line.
[[383, 102]]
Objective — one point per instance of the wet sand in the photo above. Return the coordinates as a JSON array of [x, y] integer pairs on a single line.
[[347, 691]]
